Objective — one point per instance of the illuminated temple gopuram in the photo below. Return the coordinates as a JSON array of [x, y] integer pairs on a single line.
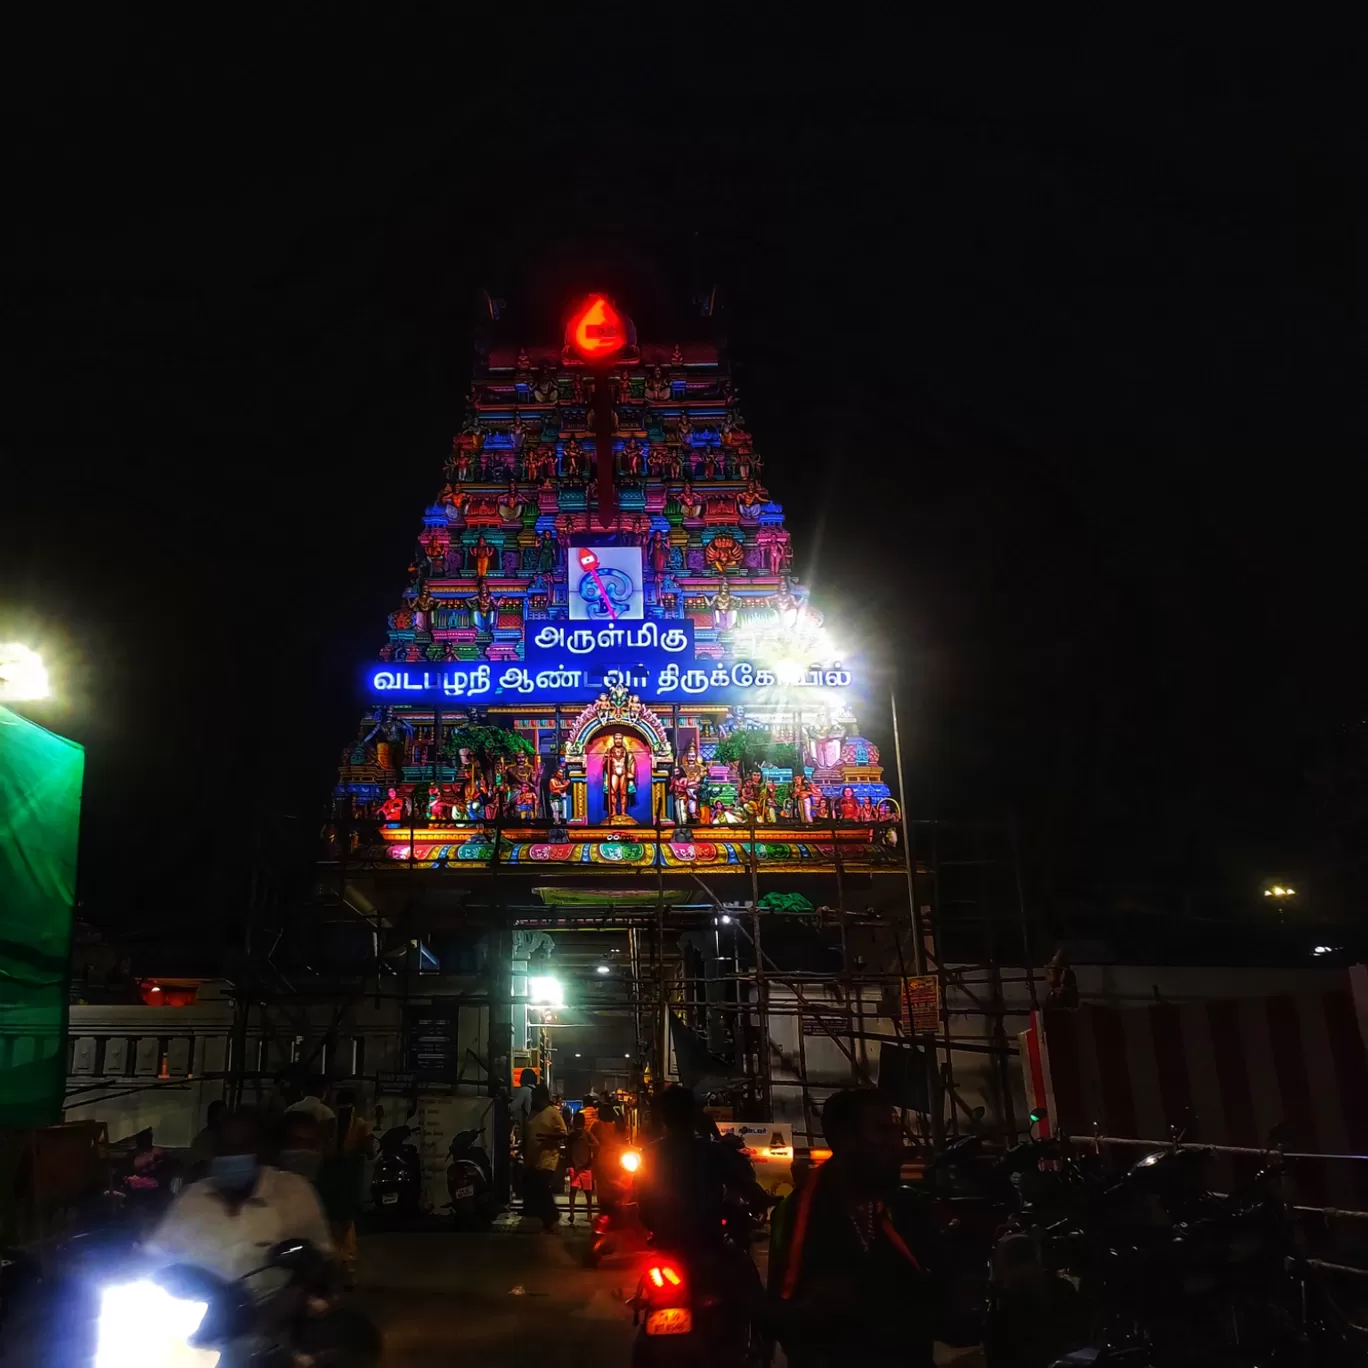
[[570, 688]]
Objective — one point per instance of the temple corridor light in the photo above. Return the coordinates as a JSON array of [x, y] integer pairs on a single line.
[[548, 992]]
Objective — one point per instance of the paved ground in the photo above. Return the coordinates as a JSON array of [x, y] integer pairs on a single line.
[[505, 1297], [502, 1297]]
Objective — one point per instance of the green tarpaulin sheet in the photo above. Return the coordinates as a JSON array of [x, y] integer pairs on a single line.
[[611, 897], [785, 902], [40, 813]]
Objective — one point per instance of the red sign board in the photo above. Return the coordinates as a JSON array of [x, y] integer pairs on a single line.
[[921, 1003]]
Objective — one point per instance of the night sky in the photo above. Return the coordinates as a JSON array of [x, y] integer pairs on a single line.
[[1047, 349]]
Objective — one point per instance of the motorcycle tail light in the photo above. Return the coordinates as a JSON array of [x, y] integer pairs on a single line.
[[665, 1275]]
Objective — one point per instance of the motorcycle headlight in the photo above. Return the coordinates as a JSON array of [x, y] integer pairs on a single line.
[[141, 1325]]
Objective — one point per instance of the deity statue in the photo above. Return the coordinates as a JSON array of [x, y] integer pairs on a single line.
[[785, 605], [658, 553], [776, 553], [392, 808], [423, 607], [511, 502], [523, 362], [481, 556], [631, 457], [724, 607], [545, 390], [848, 806], [743, 463], [803, 793], [751, 498], [619, 776], [559, 788], [525, 802], [574, 460], [454, 497], [684, 431], [391, 735], [546, 553], [483, 610], [690, 505], [657, 385], [676, 356], [771, 803], [517, 430], [685, 795], [709, 464], [461, 466]]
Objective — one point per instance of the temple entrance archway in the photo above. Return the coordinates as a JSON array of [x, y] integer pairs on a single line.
[[615, 739]]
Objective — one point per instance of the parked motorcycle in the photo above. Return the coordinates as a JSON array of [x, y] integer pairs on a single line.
[[470, 1179], [396, 1184]]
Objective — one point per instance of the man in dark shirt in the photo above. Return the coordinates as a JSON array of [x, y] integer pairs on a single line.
[[851, 1259]]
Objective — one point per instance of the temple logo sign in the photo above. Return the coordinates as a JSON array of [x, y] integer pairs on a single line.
[[605, 584]]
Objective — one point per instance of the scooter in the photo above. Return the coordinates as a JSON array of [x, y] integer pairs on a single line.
[[470, 1179], [688, 1316], [184, 1317], [617, 1229], [397, 1181]]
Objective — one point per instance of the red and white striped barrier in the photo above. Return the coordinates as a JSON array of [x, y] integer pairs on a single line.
[[1238, 1067]]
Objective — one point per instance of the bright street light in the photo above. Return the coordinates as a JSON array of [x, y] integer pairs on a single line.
[[547, 992], [603, 969], [23, 676], [1279, 891]]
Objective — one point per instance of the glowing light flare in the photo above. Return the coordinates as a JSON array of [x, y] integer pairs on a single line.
[[23, 676], [141, 1325], [631, 1160], [549, 992], [597, 331]]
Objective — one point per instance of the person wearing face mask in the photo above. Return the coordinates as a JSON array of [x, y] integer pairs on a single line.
[[228, 1222], [852, 1271], [300, 1145]]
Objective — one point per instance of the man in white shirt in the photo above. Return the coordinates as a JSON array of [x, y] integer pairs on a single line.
[[228, 1222]]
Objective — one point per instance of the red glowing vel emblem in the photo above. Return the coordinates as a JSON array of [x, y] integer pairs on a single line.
[[597, 331]]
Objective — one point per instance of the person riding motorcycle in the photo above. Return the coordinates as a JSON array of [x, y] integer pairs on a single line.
[[681, 1186], [225, 1222]]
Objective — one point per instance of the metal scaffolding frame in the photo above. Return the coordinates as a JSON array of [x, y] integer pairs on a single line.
[[916, 931]]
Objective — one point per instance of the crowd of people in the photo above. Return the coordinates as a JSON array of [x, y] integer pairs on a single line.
[[845, 1245], [583, 1144], [324, 1147]]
